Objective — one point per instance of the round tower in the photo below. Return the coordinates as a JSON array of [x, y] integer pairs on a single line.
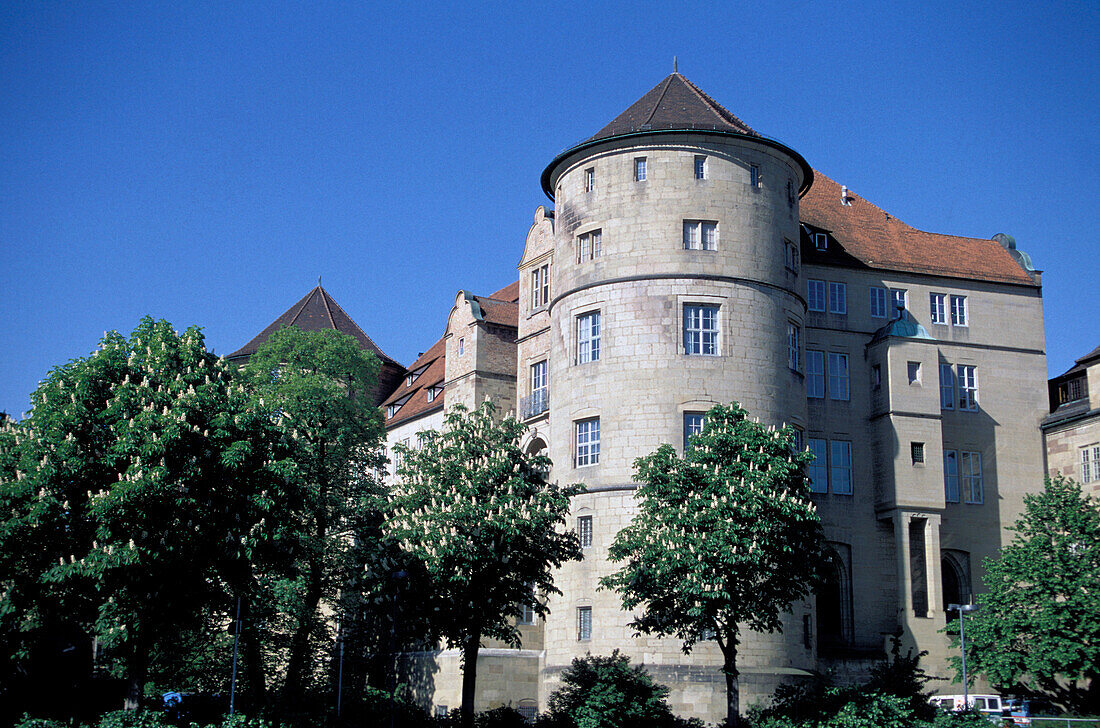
[[675, 286]]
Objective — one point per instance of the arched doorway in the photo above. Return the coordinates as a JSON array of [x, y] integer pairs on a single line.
[[834, 599]]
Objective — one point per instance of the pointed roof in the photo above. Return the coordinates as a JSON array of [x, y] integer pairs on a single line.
[[317, 311], [674, 103]]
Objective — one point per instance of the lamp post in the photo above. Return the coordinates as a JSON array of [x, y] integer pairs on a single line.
[[963, 610]]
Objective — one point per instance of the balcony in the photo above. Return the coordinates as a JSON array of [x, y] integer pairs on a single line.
[[534, 404]]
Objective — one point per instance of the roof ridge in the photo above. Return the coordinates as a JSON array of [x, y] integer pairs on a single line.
[[660, 97], [328, 309], [305, 302], [708, 101], [356, 325]]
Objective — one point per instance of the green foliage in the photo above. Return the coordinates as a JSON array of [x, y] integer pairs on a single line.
[[1038, 628], [725, 535], [607, 692], [116, 515], [132, 719], [476, 513]]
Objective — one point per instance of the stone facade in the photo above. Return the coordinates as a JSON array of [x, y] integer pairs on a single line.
[[1072, 429], [691, 262]]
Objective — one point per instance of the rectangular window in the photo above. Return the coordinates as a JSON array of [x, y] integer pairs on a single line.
[[838, 298], [972, 476], [588, 442], [540, 287], [754, 175], [958, 311], [838, 376], [526, 613], [589, 179], [968, 387], [700, 167], [461, 347], [790, 256], [540, 390], [584, 623], [589, 246], [815, 300], [794, 334], [693, 425], [821, 241], [913, 370], [818, 470], [951, 476], [700, 235], [584, 531], [815, 374], [588, 337], [878, 302], [701, 330], [876, 376], [1090, 463], [840, 466], [916, 450], [938, 304], [900, 298], [947, 387], [639, 169]]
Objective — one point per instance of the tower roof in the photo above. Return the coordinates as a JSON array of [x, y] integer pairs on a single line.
[[317, 311], [675, 105]]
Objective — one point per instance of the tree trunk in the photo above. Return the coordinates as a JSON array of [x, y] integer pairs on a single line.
[[136, 673], [469, 677], [253, 657], [729, 669]]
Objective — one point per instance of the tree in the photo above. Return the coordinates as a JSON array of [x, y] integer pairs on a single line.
[[607, 692], [1038, 626], [317, 387], [724, 536], [140, 475], [479, 515]]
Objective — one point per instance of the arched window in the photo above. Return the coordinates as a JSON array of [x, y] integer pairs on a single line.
[[955, 577], [834, 598]]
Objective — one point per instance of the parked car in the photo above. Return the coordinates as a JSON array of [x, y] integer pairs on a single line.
[[988, 705], [1020, 711]]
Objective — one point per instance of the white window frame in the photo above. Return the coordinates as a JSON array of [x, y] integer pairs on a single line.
[[584, 624], [913, 372], [641, 169], [589, 333], [702, 337], [815, 374], [839, 376], [584, 531], [1090, 466], [818, 470], [821, 241], [816, 297], [589, 245], [540, 287], [840, 467], [951, 476], [947, 387], [590, 179], [937, 304], [586, 441], [967, 378], [899, 295], [878, 305], [700, 166], [461, 347], [794, 345], [970, 469], [540, 379], [694, 422], [958, 311], [700, 235], [838, 298]]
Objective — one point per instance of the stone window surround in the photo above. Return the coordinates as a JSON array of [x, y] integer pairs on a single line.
[[722, 302], [576, 314]]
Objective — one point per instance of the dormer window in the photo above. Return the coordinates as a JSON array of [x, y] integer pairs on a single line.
[[411, 378], [821, 241], [433, 392], [394, 407], [392, 410]]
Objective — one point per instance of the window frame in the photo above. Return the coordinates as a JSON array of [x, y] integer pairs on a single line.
[[584, 531], [586, 452], [879, 293], [842, 379], [641, 169], [754, 176], [695, 235], [790, 256], [540, 287], [903, 295], [694, 422], [815, 377], [845, 447], [820, 464], [590, 179], [589, 245], [794, 346], [584, 624], [589, 331], [959, 314], [951, 490], [699, 166], [966, 376], [937, 304], [971, 482], [947, 387], [540, 378], [812, 298], [1090, 467], [838, 298], [699, 346]]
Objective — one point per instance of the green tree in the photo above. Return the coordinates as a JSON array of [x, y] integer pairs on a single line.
[[724, 536], [139, 477], [1038, 628], [480, 516], [607, 692], [317, 387]]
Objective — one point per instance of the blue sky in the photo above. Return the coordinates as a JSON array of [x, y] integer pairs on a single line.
[[206, 162]]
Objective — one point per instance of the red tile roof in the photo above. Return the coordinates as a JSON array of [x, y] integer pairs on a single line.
[[317, 311], [433, 363], [874, 238]]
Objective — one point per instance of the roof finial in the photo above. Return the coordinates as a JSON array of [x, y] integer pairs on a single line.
[[674, 65], [318, 281]]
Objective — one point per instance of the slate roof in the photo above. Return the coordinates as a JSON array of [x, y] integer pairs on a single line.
[[674, 103], [871, 237], [317, 311], [501, 307], [433, 363]]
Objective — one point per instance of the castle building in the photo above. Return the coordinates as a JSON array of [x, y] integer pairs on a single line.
[[689, 261], [1072, 429]]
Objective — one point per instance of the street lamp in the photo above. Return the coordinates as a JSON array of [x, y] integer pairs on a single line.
[[963, 610]]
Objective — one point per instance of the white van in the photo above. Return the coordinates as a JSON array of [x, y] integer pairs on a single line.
[[989, 705]]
